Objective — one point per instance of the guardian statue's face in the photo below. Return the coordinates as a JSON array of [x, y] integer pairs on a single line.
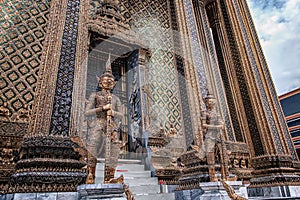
[[210, 103], [107, 83]]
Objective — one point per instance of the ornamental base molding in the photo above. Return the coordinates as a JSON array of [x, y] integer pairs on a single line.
[[48, 164]]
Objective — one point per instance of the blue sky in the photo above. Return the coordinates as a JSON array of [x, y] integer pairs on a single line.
[[278, 25]]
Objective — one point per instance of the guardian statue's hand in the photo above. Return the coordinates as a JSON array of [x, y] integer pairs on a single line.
[[110, 113], [107, 107]]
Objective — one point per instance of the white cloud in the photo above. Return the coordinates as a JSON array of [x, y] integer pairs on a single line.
[[278, 26]]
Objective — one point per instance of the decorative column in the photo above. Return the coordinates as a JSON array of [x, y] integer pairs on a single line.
[[214, 78], [251, 96], [49, 160], [228, 73], [279, 165]]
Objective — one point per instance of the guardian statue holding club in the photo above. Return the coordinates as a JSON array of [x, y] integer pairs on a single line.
[[105, 113]]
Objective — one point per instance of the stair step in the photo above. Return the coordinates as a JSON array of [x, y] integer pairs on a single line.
[[145, 189], [127, 175], [124, 168], [141, 181], [160, 196], [133, 181], [128, 167], [100, 178], [138, 174], [122, 161]]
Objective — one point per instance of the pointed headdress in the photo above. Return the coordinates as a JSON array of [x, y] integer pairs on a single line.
[[108, 71]]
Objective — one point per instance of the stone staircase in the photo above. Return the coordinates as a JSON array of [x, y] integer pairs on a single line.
[[140, 182]]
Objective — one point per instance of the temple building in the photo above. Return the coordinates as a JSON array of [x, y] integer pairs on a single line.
[[291, 109], [180, 86]]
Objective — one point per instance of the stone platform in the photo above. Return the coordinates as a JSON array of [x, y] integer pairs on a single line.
[[139, 180], [275, 192], [101, 191], [41, 196], [84, 192], [211, 191]]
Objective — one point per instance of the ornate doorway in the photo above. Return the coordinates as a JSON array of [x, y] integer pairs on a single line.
[[125, 68]]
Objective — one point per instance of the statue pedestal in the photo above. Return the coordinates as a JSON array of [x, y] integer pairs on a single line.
[[276, 192], [211, 191], [215, 190], [101, 191]]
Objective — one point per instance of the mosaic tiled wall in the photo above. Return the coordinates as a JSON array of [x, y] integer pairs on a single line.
[[22, 32], [196, 51], [151, 19], [186, 114], [23, 27]]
